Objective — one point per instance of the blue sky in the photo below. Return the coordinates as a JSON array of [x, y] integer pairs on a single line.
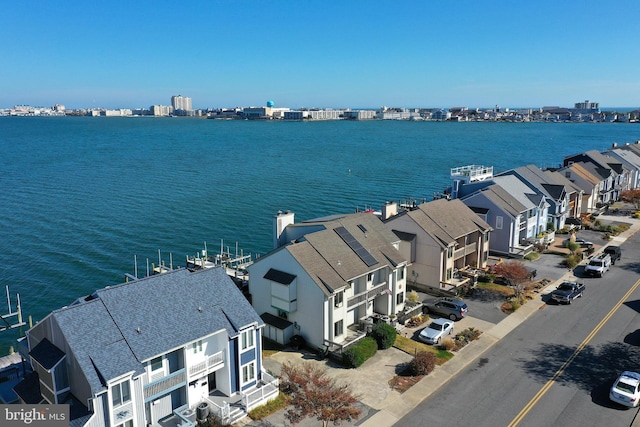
[[355, 54]]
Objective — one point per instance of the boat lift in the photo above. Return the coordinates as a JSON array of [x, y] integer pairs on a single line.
[[6, 322]]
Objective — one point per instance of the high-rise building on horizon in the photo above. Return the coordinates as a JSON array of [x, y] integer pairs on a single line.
[[179, 102]]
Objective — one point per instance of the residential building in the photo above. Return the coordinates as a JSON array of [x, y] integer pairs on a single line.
[[444, 240], [182, 103], [617, 176], [325, 277], [151, 350], [555, 192], [583, 176], [512, 219]]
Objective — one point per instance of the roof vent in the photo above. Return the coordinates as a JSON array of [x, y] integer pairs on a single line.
[[200, 309], [138, 330]]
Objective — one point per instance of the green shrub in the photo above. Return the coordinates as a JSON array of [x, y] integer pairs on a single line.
[[358, 353], [571, 261], [573, 246], [271, 407], [423, 363], [384, 334], [532, 256]]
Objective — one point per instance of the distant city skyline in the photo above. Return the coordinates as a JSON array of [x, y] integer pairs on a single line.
[[326, 55]]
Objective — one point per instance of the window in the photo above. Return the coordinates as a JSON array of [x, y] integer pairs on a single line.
[[400, 298], [197, 347], [401, 273], [498, 222], [120, 393], [338, 299], [126, 424], [248, 372], [247, 339], [369, 277], [156, 364], [449, 251], [338, 328], [449, 274]]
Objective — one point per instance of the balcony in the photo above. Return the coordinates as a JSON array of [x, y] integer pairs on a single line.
[[210, 364], [159, 387], [464, 251], [367, 295]]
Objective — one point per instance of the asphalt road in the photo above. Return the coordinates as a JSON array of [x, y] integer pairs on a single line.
[[557, 367]]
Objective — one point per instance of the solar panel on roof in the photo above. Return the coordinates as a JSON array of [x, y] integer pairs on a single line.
[[356, 247]]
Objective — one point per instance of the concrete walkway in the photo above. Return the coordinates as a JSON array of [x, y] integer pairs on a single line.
[[383, 406]]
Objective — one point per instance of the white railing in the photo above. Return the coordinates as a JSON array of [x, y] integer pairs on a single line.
[[266, 388], [207, 364]]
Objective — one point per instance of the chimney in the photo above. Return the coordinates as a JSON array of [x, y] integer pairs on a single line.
[[389, 209], [280, 222]]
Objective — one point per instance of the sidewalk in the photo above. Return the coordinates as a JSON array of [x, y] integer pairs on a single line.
[[382, 406]]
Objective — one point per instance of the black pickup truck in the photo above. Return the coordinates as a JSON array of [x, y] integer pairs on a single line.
[[615, 252], [566, 292]]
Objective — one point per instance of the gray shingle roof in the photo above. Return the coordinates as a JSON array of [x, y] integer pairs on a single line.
[[136, 321], [332, 263], [447, 220]]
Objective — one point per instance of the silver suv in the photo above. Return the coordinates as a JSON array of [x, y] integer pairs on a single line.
[[452, 308]]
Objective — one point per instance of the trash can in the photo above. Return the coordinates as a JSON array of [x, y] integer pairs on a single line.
[[202, 411]]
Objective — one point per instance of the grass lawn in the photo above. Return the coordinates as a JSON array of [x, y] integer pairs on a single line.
[[410, 346], [504, 290]]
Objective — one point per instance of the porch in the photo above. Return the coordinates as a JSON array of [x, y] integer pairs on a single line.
[[227, 409]]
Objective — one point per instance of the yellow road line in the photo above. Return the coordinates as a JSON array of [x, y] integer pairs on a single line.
[[564, 366]]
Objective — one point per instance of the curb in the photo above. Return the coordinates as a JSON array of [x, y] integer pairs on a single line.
[[397, 408]]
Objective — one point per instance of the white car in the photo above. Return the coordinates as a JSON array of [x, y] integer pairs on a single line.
[[626, 389], [436, 330]]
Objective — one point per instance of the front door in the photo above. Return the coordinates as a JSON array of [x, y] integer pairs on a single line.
[[211, 379]]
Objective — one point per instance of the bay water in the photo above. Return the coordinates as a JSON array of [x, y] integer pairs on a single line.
[[81, 196]]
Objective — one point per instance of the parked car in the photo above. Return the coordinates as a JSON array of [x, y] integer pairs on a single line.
[[567, 292], [626, 389], [436, 330], [598, 266], [582, 242], [453, 309], [615, 252]]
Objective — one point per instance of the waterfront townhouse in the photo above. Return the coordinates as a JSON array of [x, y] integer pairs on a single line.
[[445, 241], [326, 277], [555, 193], [513, 219], [590, 183], [574, 193], [630, 159], [615, 175], [166, 349]]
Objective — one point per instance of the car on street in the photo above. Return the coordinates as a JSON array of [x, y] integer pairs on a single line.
[[626, 389], [452, 308], [598, 266], [566, 292], [615, 252], [437, 329]]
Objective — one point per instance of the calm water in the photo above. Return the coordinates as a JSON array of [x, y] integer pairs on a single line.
[[81, 196]]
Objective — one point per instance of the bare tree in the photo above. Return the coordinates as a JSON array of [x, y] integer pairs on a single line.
[[314, 394], [516, 274], [631, 196]]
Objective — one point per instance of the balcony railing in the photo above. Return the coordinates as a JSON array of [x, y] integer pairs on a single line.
[[207, 365], [366, 295], [165, 383], [464, 251]]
